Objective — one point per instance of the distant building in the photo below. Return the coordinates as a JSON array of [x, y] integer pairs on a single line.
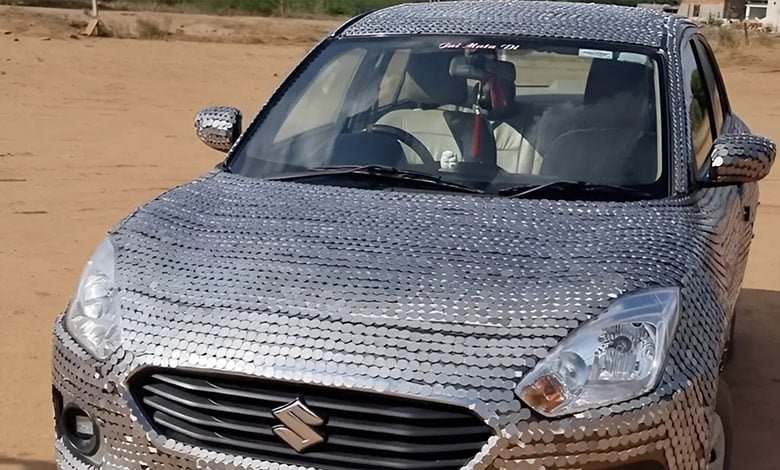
[[709, 10], [665, 7], [773, 15], [766, 11], [756, 10]]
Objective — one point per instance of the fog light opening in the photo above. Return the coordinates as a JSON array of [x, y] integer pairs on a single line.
[[80, 430]]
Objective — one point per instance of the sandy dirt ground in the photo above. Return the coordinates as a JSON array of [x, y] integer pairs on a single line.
[[91, 128], [60, 23]]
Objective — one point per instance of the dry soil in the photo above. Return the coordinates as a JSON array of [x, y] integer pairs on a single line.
[[92, 127]]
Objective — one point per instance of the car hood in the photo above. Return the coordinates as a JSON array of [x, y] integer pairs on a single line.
[[447, 296]]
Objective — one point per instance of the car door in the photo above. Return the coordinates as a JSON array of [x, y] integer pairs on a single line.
[[728, 211]]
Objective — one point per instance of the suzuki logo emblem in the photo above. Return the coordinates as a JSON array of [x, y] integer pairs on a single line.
[[296, 429]]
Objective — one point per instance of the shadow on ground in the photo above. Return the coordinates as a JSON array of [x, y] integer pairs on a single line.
[[754, 379], [11, 463]]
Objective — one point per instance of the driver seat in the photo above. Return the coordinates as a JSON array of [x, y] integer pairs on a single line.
[[437, 119]]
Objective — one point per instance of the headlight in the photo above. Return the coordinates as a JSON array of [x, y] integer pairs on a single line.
[[92, 316], [617, 356]]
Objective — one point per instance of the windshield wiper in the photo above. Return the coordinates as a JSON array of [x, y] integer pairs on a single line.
[[380, 171], [577, 187]]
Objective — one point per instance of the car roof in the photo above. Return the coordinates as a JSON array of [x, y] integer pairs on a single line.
[[592, 22]]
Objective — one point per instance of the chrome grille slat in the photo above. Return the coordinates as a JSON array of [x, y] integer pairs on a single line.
[[274, 451], [398, 431], [280, 397], [196, 418], [362, 429], [334, 440], [196, 401]]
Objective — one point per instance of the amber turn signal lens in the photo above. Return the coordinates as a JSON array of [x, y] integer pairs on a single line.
[[546, 393]]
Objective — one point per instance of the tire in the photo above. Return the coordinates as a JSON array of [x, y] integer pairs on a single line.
[[723, 413]]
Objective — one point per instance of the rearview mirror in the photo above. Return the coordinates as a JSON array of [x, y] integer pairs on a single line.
[[218, 126], [740, 158], [481, 68]]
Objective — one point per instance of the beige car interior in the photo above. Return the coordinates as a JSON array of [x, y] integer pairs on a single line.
[[437, 119], [609, 137], [443, 123]]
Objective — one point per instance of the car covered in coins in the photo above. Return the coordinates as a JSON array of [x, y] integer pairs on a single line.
[[476, 234]]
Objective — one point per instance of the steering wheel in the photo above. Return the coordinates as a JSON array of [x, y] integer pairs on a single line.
[[406, 138]]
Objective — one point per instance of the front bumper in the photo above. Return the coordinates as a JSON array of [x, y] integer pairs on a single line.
[[668, 433]]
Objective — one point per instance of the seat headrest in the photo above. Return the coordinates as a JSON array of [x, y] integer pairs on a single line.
[[428, 80], [608, 78]]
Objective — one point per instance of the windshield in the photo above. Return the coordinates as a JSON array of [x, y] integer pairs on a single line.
[[482, 112]]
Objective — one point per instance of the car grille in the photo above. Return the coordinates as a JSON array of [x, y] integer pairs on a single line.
[[363, 430]]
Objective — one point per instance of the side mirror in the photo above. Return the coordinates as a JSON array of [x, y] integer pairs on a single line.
[[218, 126], [739, 158]]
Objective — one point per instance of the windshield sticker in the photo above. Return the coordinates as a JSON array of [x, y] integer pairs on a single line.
[[595, 53], [633, 57], [479, 46]]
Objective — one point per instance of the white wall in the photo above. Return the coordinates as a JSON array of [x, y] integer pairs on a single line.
[[773, 14]]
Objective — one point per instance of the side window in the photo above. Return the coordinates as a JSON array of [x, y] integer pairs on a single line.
[[697, 103], [709, 67], [391, 81], [321, 103], [556, 73]]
